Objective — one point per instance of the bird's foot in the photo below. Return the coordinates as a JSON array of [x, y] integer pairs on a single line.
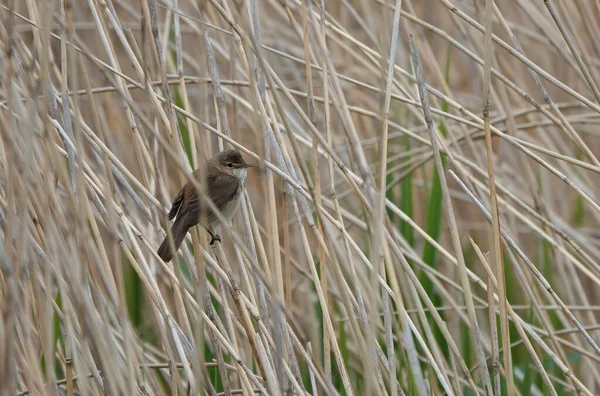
[[214, 238]]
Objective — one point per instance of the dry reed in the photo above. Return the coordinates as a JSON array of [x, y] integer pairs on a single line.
[[398, 143]]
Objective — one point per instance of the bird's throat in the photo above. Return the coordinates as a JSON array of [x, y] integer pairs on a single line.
[[240, 174]]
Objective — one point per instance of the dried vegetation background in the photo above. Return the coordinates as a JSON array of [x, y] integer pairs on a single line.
[[432, 229]]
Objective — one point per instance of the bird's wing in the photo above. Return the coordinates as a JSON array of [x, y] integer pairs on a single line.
[[176, 205], [220, 189]]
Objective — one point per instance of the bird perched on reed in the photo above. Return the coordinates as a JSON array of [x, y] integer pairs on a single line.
[[225, 174]]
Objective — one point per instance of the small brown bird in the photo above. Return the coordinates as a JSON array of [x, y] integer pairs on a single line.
[[225, 175]]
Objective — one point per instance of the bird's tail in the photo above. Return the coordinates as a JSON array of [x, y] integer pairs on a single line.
[[178, 232]]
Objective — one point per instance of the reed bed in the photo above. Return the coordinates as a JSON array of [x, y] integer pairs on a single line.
[[423, 220]]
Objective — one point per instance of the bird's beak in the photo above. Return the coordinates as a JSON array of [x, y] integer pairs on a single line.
[[249, 165]]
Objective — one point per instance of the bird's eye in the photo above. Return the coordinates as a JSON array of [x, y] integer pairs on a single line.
[[229, 165]]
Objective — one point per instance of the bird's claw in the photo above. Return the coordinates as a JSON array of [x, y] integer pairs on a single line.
[[214, 238]]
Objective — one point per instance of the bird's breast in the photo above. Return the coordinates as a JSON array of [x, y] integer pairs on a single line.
[[234, 203]]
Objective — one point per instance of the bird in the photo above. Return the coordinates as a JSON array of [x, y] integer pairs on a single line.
[[225, 174]]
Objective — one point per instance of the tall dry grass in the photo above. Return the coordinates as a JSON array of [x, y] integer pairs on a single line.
[[425, 225]]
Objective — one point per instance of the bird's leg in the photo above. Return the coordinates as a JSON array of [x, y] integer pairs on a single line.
[[213, 237]]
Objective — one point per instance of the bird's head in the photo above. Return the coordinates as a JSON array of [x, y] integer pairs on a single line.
[[232, 163]]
